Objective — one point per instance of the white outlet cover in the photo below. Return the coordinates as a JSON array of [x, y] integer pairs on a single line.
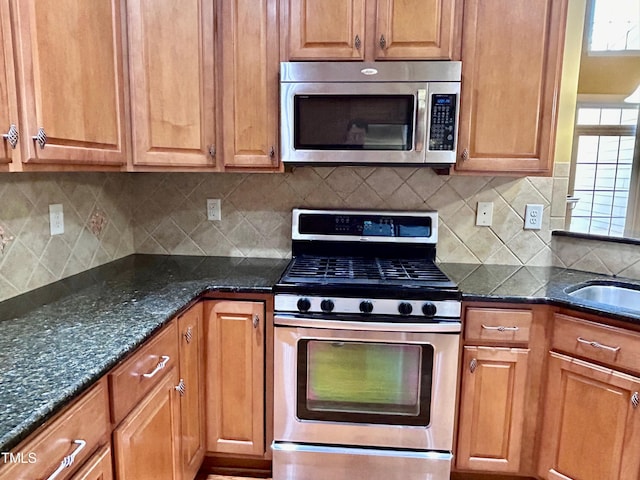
[[213, 209], [533, 217], [56, 219]]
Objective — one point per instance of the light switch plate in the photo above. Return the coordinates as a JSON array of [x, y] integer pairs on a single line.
[[484, 214], [533, 217]]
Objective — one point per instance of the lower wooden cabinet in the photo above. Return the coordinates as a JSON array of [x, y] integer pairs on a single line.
[[235, 352], [76, 432], [192, 420], [591, 423], [492, 408], [146, 444], [97, 467]]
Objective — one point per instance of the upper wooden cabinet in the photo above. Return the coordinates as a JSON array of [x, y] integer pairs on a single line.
[[69, 66], [369, 29], [171, 69], [249, 89], [9, 144], [511, 66]]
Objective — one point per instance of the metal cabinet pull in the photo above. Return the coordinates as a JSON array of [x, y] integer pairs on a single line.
[[212, 151], [12, 136], [256, 321], [473, 364], [383, 42], [635, 400], [41, 138], [69, 459], [598, 345], [188, 335], [465, 154], [161, 364], [501, 328], [357, 42], [272, 152], [181, 388]]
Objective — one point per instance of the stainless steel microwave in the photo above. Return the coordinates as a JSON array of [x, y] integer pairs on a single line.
[[369, 113]]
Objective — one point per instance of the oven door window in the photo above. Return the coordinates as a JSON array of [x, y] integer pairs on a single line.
[[354, 122], [361, 382]]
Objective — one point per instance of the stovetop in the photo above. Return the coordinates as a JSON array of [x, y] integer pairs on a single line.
[[362, 270]]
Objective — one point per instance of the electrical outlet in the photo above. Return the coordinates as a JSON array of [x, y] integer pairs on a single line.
[[213, 209], [56, 219], [484, 214], [533, 217]]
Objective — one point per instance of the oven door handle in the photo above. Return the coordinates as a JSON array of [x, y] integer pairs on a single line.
[[288, 320]]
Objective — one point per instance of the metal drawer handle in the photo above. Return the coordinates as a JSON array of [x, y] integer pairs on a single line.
[[69, 459], [181, 387], [256, 321], [635, 400], [598, 345], [12, 136], [357, 42], [188, 335], [473, 364], [383, 42], [501, 328], [161, 364], [41, 138]]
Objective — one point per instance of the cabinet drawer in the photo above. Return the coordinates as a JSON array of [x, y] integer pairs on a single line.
[[497, 325], [81, 428], [610, 345], [137, 375]]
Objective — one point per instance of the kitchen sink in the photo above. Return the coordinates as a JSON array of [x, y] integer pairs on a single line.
[[617, 295]]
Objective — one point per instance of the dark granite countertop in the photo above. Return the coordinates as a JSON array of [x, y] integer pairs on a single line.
[[58, 340], [520, 284]]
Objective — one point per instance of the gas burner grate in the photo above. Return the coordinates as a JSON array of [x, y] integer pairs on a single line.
[[312, 268]]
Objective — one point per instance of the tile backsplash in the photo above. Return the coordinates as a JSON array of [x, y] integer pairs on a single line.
[[111, 215], [169, 215], [97, 226]]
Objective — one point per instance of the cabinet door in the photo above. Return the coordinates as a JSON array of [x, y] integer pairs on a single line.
[[97, 467], [511, 66], [492, 409], [192, 418], [70, 67], [591, 424], [235, 377], [146, 442], [250, 55], [414, 29], [326, 29], [171, 66], [8, 107]]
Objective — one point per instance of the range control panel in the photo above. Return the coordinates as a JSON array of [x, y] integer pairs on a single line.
[[443, 121]]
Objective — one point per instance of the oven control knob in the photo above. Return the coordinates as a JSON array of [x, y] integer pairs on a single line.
[[326, 305], [304, 304], [366, 306], [405, 308], [429, 309]]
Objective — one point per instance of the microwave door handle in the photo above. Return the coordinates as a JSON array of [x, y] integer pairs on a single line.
[[421, 119]]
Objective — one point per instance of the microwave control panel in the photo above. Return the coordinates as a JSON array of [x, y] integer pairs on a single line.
[[443, 121]]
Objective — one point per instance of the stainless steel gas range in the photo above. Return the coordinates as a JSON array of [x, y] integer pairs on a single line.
[[366, 334]]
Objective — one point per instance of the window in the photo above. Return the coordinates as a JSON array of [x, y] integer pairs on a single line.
[[604, 142], [615, 26]]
